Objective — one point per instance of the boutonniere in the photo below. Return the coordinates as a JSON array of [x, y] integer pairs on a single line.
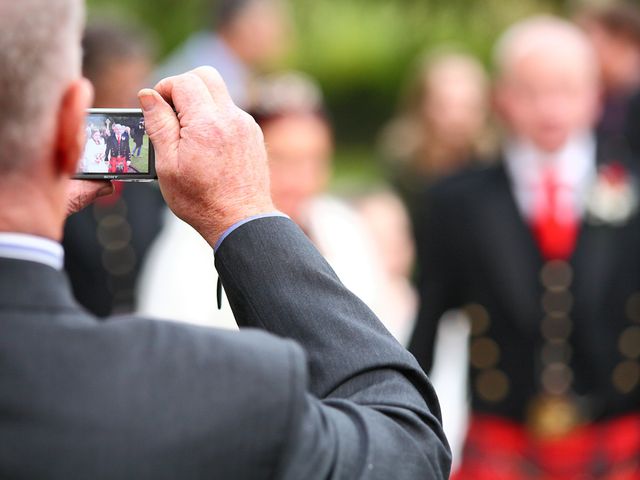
[[613, 198]]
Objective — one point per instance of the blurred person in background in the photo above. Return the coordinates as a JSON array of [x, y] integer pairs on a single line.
[[614, 31], [106, 243], [246, 36], [442, 126], [542, 252], [291, 113], [118, 59]]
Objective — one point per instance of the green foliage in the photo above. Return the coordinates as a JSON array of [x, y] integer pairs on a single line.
[[170, 20], [362, 50], [359, 50]]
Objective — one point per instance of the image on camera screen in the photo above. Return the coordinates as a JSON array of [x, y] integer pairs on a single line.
[[115, 145]]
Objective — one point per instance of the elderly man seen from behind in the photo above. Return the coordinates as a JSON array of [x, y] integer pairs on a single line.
[[317, 389]]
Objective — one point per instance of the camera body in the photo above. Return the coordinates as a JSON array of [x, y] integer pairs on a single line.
[[117, 147]]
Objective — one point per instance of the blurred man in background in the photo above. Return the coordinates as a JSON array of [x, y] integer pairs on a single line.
[[614, 31], [118, 58], [543, 252], [106, 243], [248, 34]]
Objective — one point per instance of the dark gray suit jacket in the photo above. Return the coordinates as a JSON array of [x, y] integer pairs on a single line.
[[328, 393]]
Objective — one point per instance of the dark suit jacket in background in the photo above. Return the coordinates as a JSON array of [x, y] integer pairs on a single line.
[[476, 251], [632, 125], [328, 394], [114, 149], [131, 221]]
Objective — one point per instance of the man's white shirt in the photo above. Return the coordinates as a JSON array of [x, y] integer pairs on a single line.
[[574, 167], [20, 246]]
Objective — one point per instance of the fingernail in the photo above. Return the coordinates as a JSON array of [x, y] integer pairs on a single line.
[[147, 101]]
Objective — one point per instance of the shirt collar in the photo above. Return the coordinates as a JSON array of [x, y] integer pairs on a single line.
[[574, 163], [20, 246]]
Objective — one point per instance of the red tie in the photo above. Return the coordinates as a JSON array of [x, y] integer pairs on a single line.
[[555, 226]]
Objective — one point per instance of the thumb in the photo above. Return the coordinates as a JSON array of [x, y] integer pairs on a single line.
[[161, 122]]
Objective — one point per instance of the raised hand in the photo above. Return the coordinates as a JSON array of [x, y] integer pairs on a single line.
[[210, 155]]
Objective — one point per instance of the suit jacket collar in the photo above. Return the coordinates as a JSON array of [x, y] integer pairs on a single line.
[[598, 254], [22, 246], [30, 285], [574, 166], [511, 255]]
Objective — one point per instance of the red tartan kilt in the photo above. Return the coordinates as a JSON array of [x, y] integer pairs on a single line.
[[497, 449], [115, 161]]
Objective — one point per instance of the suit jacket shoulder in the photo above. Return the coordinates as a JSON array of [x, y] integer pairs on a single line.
[[465, 184], [132, 398], [239, 389], [138, 398], [442, 205]]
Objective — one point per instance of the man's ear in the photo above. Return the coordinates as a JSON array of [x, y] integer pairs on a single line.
[[70, 128]]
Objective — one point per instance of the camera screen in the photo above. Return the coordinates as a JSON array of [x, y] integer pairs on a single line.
[[116, 144]]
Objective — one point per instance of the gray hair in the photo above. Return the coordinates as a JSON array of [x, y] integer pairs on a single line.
[[39, 56], [543, 34]]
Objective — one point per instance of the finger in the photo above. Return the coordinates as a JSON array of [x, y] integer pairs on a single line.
[[187, 93], [164, 87], [161, 122], [81, 193], [215, 84], [106, 190]]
